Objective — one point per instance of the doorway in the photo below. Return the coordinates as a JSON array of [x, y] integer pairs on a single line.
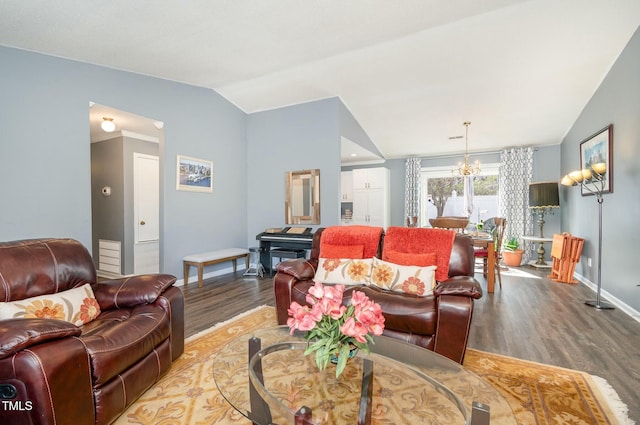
[[125, 192]]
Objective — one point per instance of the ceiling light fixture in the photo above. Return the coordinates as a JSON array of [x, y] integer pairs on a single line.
[[466, 169], [108, 125]]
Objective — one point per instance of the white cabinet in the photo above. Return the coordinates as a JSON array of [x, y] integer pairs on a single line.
[[371, 197], [370, 178], [346, 186]]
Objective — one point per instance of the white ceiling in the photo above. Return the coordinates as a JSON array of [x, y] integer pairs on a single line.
[[410, 71]]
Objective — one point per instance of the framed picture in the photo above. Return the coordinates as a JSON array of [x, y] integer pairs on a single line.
[[597, 149], [193, 174]]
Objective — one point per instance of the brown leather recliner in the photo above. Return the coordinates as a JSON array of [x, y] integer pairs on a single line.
[[440, 322], [54, 372]]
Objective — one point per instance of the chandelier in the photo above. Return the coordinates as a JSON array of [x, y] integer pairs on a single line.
[[464, 169]]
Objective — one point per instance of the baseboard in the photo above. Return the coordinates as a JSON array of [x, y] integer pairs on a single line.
[[635, 314]]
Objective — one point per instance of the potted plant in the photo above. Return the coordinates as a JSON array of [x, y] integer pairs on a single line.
[[511, 255]]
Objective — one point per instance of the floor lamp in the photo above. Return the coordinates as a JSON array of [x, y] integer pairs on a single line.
[[593, 180], [543, 197]]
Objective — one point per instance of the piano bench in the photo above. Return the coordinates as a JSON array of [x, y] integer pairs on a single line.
[[213, 257], [284, 253]]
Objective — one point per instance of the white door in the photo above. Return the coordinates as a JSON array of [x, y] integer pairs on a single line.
[[146, 211]]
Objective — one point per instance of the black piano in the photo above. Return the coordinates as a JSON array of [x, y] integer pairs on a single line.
[[287, 237]]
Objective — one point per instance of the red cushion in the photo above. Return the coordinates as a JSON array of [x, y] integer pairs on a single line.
[[368, 236], [482, 252], [341, 251], [422, 240], [407, 259]]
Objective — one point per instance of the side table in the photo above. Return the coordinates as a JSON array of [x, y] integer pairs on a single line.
[[540, 263]]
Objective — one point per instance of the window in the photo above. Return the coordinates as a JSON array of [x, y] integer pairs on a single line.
[[443, 194]]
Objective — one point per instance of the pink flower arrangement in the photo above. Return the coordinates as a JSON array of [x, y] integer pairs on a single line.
[[335, 329]]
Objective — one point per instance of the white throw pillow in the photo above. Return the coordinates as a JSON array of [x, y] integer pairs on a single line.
[[77, 306], [407, 279], [346, 271]]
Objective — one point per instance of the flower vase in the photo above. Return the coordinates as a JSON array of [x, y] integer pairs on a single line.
[[352, 353]]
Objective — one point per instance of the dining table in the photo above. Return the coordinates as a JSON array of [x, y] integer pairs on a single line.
[[484, 240]]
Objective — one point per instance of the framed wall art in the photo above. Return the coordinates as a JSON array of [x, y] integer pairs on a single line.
[[596, 149], [193, 174]]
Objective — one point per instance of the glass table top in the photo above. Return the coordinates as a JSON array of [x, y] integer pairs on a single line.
[[410, 384]]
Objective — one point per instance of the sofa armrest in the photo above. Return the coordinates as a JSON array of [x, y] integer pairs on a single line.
[[55, 377], [290, 273], [301, 269], [131, 291], [454, 322], [19, 334], [465, 286], [455, 308]]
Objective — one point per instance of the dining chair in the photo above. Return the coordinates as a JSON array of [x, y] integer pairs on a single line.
[[412, 221], [500, 224], [456, 223]]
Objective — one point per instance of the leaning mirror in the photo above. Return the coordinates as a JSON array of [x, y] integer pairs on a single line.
[[302, 205]]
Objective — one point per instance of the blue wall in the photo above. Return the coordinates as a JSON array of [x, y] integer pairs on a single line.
[[617, 102], [300, 137], [45, 160], [45, 155]]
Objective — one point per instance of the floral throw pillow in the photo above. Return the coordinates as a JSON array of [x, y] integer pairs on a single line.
[[408, 279], [346, 271], [77, 306]]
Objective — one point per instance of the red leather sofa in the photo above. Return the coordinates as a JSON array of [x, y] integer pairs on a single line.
[[55, 372], [439, 322]]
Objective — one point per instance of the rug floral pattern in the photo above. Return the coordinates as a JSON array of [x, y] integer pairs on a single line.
[[542, 394], [537, 394]]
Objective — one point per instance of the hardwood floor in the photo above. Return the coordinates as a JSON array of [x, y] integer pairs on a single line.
[[531, 318]]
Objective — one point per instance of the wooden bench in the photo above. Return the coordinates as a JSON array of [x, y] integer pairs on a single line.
[[213, 257]]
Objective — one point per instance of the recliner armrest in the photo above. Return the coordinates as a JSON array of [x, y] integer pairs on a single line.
[[301, 269], [459, 285], [290, 273], [19, 334], [131, 291]]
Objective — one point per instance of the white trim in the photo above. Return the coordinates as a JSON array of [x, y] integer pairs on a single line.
[[488, 169], [626, 308], [370, 162], [140, 136], [125, 133]]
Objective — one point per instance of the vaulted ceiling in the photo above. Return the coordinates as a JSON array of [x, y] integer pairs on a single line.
[[411, 71]]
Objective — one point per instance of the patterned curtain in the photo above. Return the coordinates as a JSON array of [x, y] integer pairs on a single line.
[[412, 188], [516, 172]]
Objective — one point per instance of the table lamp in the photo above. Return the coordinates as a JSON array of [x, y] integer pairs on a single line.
[[543, 197]]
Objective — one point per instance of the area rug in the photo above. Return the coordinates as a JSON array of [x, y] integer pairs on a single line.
[[537, 393]]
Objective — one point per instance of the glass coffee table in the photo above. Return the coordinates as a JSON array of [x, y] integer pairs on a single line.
[[265, 376]]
